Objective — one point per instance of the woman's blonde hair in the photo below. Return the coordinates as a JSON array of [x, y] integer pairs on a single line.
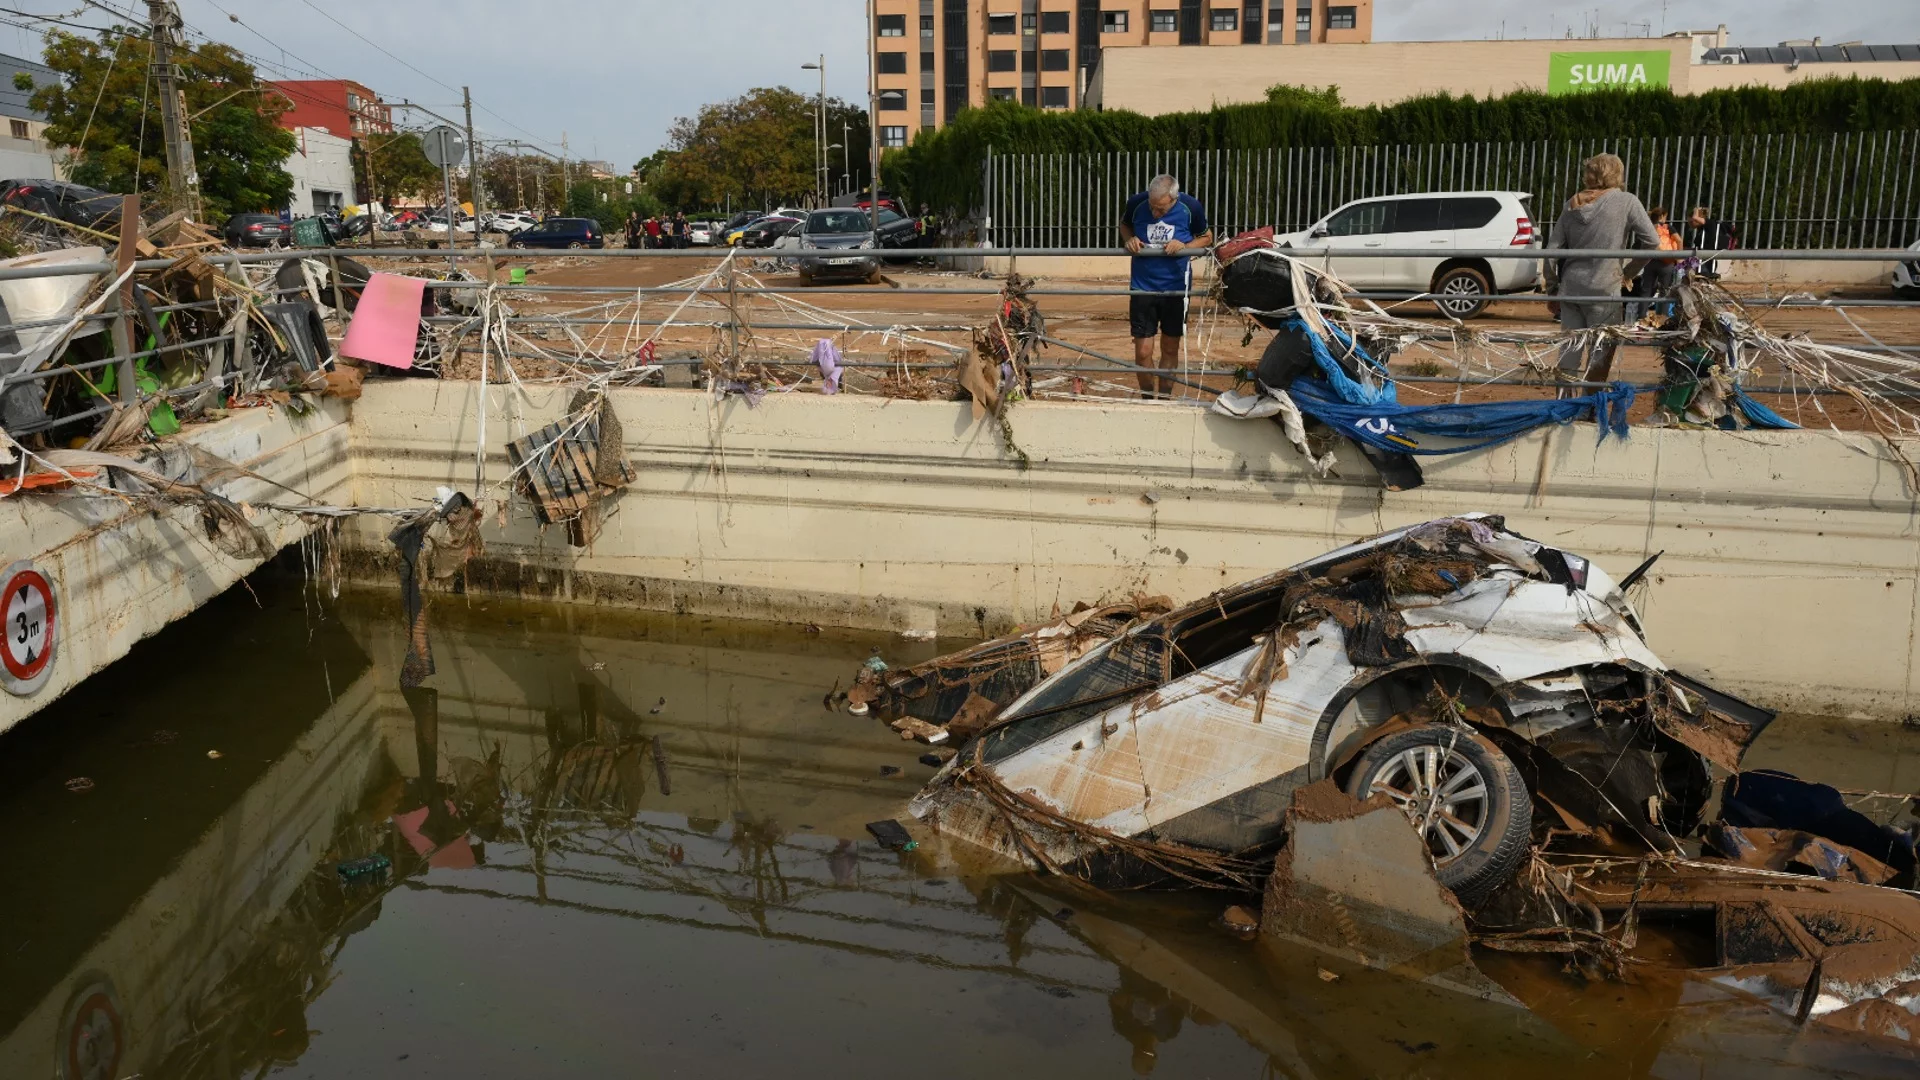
[[1603, 171]]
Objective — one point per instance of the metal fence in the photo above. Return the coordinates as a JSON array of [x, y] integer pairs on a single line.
[[1780, 191]]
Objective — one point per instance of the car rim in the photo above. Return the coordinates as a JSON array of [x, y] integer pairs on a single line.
[[1463, 294], [1442, 793]]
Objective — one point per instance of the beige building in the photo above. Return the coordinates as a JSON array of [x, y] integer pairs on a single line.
[[1380, 73], [933, 58]]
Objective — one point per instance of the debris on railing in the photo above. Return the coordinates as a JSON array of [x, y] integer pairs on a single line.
[[568, 467]]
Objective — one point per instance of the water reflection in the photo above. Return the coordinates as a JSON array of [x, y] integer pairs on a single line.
[[600, 845]]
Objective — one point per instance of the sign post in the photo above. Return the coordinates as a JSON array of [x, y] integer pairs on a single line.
[[445, 148]]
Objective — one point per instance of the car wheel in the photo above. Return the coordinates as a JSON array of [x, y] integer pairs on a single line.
[[1462, 292], [1464, 796], [575, 246]]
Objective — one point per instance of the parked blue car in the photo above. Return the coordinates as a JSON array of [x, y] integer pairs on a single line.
[[566, 232]]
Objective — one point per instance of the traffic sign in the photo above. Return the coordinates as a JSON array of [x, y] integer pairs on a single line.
[[26, 660], [444, 146]]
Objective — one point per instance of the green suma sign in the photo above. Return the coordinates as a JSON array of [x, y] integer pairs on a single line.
[[1572, 72]]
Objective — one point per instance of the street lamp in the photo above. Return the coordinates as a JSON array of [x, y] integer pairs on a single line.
[[819, 129]]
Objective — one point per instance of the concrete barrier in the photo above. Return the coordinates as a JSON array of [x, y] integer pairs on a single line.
[[1790, 572], [121, 572]]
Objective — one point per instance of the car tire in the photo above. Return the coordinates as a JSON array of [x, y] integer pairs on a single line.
[[1463, 292], [575, 246], [1480, 842]]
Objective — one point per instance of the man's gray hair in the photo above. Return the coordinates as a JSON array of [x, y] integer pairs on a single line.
[[1163, 186]]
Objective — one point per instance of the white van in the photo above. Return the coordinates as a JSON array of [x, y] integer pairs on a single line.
[[1443, 222]]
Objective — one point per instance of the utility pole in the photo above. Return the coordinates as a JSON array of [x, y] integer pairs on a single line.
[[473, 168], [566, 181], [183, 173], [873, 118]]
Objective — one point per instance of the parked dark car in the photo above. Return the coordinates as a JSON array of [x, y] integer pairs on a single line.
[[762, 233], [256, 230], [566, 232], [355, 226], [76, 204]]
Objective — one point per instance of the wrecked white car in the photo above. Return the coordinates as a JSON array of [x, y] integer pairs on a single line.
[[1455, 666]]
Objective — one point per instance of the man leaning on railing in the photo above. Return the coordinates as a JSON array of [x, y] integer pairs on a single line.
[[1156, 223]]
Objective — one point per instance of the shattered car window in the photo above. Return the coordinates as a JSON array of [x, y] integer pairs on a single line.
[[1127, 666]]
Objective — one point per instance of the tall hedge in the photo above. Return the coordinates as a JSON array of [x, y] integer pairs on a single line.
[[943, 166]]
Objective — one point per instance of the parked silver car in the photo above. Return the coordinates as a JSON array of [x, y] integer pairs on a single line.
[[837, 243]]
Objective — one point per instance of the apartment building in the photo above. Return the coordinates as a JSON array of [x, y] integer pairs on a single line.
[[933, 58], [24, 153], [338, 106]]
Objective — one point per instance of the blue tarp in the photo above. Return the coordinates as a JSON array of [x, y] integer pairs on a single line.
[[1391, 426]]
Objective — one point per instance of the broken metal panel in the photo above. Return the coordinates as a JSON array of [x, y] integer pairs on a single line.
[[1139, 765], [1355, 881]]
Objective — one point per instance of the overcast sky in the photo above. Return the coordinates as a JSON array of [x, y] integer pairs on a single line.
[[612, 74]]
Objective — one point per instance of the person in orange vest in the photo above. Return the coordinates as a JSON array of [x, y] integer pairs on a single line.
[[1660, 275]]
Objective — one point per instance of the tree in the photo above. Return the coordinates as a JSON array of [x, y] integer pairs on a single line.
[[120, 145], [755, 148], [395, 165]]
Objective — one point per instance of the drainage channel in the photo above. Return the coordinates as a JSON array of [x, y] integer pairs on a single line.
[[608, 843]]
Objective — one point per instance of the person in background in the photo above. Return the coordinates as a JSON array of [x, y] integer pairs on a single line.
[[1155, 225], [653, 231], [1602, 215], [633, 229], [1661, 275], [682, 233], [1708, 233]]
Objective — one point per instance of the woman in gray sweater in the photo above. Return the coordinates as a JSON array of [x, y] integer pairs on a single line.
[[1602, 216]]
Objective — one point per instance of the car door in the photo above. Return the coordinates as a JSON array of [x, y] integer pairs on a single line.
[[1352, 230], [1419, 224]]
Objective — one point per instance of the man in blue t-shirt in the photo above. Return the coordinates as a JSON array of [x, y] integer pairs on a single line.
[[1161, 219]]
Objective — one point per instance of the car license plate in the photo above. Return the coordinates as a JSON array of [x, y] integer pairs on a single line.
[[841, 262]]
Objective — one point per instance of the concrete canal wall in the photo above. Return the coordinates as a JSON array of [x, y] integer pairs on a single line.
[[121, 572], [1790, 573]]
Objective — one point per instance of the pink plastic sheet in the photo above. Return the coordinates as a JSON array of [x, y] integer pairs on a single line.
[[386, 323]]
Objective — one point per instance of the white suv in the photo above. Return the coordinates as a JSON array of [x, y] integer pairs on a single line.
[[510, 223], [1443, 222]]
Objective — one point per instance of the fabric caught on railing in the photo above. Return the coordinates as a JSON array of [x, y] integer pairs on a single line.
[[1390, 426]]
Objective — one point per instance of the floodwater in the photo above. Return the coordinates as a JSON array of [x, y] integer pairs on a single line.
[[626, 845]]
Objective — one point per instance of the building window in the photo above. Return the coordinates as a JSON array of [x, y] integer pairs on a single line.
[[1029, 24], [1003, 60], [1029, 96], [19, 129], [1113, 22], [893, 101], [1001, 24], [1053, 97], [893, 136], [893, 26], [1303, 26], [1340, 18], [1056, 22], [926, 98], [926, 26], [1164, 22], [1226, 19], [1056, 60], [891, 63], [1000, 93], [926, 61]]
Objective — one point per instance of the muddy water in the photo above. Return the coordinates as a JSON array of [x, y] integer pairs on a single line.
[[629, 846]]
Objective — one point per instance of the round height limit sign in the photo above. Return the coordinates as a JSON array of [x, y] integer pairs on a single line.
[[27, 658]]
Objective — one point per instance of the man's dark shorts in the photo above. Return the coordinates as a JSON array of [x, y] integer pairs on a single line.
[[1154, 315]]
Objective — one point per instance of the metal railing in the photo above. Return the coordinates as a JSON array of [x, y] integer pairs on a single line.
[[1858, 189], [223, 352]]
